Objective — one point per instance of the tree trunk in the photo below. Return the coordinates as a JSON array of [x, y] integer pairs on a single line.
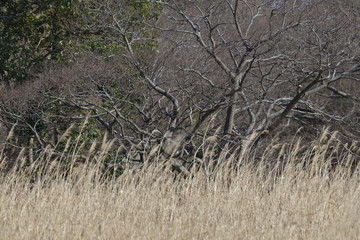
[[230, 115]]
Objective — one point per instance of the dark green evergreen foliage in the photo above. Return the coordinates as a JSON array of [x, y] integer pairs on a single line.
[[32, 32]]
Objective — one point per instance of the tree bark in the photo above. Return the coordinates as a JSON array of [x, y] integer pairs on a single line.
[[230, 115]]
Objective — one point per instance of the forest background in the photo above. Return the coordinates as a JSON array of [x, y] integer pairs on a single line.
[[164, 76]]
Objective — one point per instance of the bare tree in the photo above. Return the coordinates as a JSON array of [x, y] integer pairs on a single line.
[[247, 65], [267, 60]]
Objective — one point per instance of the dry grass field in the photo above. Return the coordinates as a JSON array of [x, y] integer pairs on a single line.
[[302, 201]]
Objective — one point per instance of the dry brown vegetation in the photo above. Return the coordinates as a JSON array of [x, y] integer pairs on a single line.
[[305, 198]]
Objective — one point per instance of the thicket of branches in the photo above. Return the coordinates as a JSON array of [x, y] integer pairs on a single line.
[[180, 77]]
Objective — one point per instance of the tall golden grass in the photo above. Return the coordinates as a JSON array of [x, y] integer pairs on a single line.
[[302, 199]]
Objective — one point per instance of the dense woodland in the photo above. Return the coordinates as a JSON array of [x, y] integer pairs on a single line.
[[177, 78]]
